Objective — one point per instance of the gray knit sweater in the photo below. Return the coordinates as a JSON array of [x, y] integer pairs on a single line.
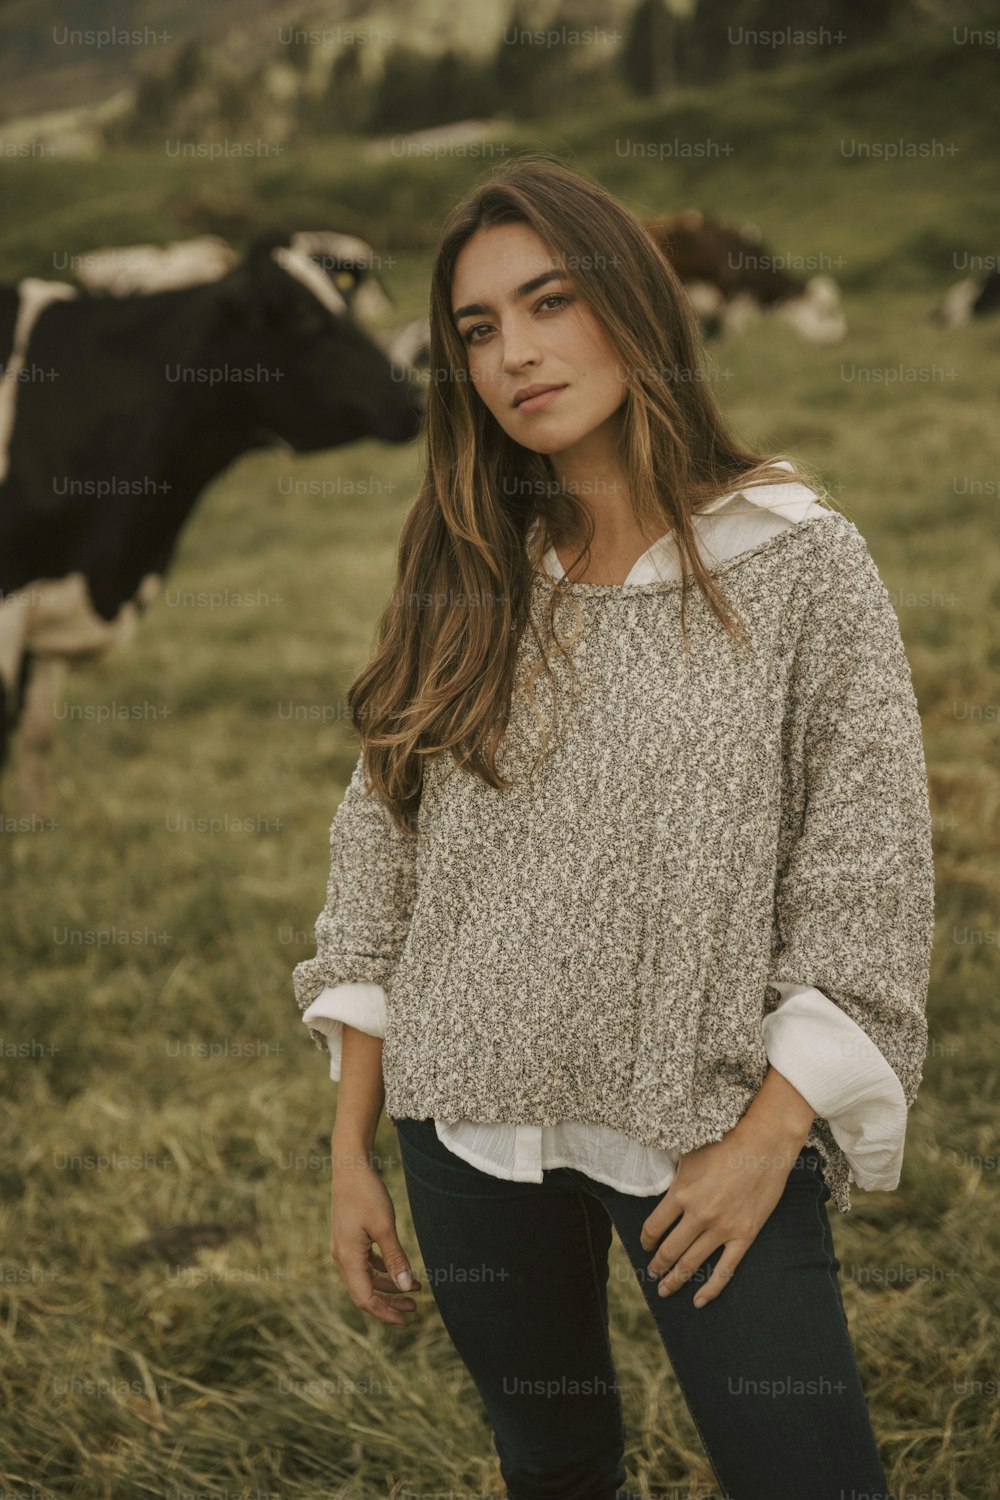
[[599, 942]]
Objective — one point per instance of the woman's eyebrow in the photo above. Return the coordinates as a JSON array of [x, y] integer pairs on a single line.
[[521, 291]]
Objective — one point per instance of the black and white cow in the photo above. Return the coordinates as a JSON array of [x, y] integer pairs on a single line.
[[349, 262], [116, 412]]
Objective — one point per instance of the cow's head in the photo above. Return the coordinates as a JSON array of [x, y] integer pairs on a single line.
[[322, 379], [350, 264]]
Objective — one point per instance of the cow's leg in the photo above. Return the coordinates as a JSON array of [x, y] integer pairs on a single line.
[[7, 711], [737, 314], [37, 732], [959, 301], [708, 303], [13, 634]]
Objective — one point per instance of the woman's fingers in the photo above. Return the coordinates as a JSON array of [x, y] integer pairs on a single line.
[[383, 1281], [379, 1264], [386, 1285], [370, 1288], [664, 1216], [354, 1270], [683, 1233], [686, 1262], [692, 1260], [723, 1273]]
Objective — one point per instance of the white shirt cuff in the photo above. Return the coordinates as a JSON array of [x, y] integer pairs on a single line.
[[839, 1070], [360, 1005]]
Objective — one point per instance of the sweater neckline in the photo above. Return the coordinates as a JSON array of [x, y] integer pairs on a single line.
[[542, 580]]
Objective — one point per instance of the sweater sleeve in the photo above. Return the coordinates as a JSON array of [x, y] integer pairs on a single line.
[[370, 895], [854, 893], [360, 1005]]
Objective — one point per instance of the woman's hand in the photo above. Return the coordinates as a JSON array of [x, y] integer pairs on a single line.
[[724, 1192], [363, 1214]]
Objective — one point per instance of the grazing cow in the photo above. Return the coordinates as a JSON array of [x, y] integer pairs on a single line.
[[731, 279], [975, 297], [117, 412]]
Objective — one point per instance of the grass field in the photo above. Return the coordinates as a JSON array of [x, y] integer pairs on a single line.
[[154, 1070]]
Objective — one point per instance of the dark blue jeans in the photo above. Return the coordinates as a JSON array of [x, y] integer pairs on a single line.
[[519, 1272]]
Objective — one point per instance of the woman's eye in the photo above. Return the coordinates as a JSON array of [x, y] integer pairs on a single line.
[[557, 297]]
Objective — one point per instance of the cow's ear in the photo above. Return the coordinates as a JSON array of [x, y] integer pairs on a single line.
[[234, 294], [257, 283], [274, 290], [266, 240]]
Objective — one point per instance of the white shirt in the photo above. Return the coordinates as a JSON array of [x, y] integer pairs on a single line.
[[808, 1039]]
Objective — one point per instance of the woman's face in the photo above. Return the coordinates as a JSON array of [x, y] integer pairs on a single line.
[[524, 324]]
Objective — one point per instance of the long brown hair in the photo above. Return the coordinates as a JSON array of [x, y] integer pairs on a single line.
[[442, 674]]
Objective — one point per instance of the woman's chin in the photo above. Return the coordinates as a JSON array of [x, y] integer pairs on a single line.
[[552, 440]]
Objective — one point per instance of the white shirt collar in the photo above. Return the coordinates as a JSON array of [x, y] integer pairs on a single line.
[[790, 501]]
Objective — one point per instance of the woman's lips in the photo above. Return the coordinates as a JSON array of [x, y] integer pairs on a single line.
[[536, 403]]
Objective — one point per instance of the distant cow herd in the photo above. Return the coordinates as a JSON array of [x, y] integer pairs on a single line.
[[124, 395]]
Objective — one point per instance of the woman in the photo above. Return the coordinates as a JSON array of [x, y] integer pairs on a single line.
[[630, 902]]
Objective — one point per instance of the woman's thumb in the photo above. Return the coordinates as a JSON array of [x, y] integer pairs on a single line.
[[396, 1262]]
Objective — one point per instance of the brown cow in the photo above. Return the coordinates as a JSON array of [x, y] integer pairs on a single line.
[[731, 278]]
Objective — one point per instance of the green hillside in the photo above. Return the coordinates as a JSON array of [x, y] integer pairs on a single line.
[[790, 150]]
